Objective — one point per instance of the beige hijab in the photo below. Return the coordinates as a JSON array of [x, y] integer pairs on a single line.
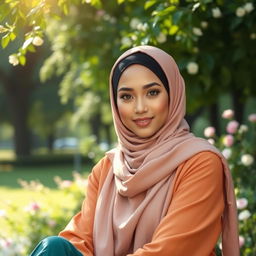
[[140, 181]]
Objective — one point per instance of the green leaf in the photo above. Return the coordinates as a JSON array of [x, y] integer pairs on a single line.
[[177, 16], [5, 40], [12, 36], [31, 48], [173, 30], [22, 60], [149, 3], [120, 1], [65, 9]]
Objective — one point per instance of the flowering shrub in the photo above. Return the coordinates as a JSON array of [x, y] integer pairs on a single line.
[[238, 147], [38, 220]]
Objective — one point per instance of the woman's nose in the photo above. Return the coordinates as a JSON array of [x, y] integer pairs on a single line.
[[140, 106]]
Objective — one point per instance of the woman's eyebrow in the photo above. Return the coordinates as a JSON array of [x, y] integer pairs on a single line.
[[146, 86]]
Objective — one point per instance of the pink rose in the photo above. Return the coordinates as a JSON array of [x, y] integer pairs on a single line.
[[241, 241], [66, 184], [252, 118], [209, 131], [232, 127], [241, 203], [228, 140], [228, 114], [32, 207]]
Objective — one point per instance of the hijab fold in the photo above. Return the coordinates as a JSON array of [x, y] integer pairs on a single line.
[[140, 180]]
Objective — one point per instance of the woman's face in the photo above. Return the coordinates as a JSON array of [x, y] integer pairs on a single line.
[[142, 101]]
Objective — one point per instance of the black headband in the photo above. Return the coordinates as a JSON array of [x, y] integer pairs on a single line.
[[142, 59]]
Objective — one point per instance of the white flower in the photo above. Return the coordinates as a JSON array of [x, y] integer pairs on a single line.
[[241, 203], [161, 38], [247, 159], [227, 152], [13, 59], [204, 24], [248, 7], [126, 41], [253, 36], [197, 31], [211, 141], [241, 241], [244, 215], [2, 213], [240, 12], [37, 41], [242, 129], [2, 29], [134, 23], [134, 37], [209, 131], [192, 68], [216, 12], [228, 114], [142, 26]]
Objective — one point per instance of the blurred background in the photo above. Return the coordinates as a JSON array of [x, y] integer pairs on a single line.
[[55, 118]]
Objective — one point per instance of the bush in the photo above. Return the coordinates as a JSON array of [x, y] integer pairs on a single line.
[[238, 147], [35, 221]]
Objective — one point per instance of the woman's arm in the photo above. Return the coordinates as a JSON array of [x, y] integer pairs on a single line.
[[79, 231], [193, 222]]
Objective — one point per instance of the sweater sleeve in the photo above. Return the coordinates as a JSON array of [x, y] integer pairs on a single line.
[[79, 230], [193, 222]]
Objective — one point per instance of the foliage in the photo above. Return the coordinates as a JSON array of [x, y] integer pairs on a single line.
[[238, 146], [37, 219], [196, 33]]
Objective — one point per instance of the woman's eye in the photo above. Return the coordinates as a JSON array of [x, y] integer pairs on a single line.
[[125, 97], [153, 92]]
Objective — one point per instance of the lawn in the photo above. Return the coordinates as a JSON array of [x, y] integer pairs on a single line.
[[13, 194]]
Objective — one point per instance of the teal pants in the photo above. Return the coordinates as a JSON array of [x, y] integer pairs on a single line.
[[55, 245]]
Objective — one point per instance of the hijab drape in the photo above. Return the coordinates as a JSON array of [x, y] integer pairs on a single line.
[[140, 181]]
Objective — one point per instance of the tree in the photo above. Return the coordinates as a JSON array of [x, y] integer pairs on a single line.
[[196, 33]]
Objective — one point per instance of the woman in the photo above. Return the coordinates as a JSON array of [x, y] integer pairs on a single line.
[[161, 191]]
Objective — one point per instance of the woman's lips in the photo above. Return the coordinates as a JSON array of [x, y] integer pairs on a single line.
[[143, 122]]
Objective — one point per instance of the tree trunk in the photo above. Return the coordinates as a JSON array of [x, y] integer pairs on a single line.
[[18, 85], [95, 122], [108, 134], [191, 118], [18, 104], [238, 105], [50, 140], [214, 117]]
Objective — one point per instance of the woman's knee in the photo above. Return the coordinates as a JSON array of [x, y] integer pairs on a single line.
[[54, 242]]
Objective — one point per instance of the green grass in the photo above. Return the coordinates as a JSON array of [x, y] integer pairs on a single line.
[[13, 194], [10, 175]]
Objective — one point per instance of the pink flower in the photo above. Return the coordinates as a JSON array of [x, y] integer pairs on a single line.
[[228, 114], [232, 127], [209, 131], [241, 203], [252, 118], [52, 223], [241, 241], [33, 207], [66, 184], [228, 140]]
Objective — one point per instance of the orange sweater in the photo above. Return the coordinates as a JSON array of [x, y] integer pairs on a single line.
[[193, 222]]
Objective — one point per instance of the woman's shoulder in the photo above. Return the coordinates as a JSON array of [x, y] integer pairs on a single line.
[[102, 166], [203, 164]]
